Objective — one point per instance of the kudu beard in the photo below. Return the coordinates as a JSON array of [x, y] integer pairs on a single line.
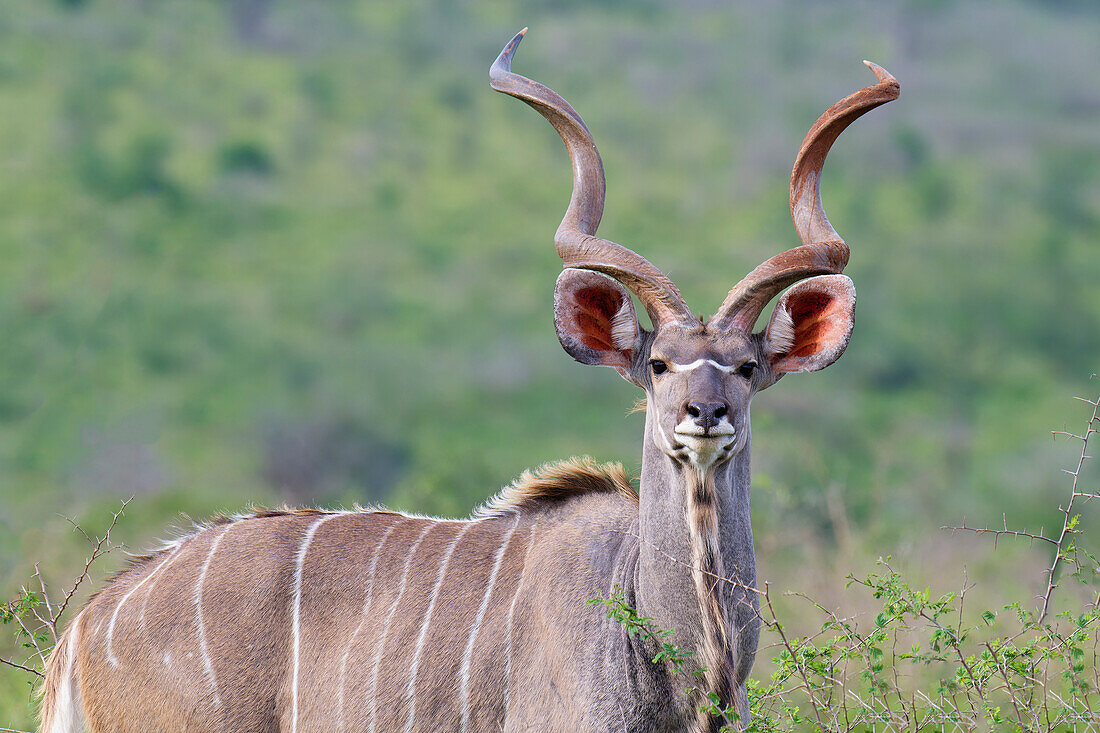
[[708, 572]]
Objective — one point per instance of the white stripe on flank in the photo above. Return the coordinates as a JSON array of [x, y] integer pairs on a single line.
[[464, 685], [411, 692], [672, 366], [208, 666], [114, 616], [296, 615], [386, 628], [66, 715], [368, 601], [149, 591], [198, 528], [511, 614]]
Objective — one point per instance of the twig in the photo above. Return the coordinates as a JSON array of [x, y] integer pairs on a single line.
[[1008, 683], [97, 552], [20, 666], [52, 623], [778, 628], [30, 635], [1067, 512], [52, 616], [1005, 531]]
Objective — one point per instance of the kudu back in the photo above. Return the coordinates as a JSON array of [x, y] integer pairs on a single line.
[[370, 620]]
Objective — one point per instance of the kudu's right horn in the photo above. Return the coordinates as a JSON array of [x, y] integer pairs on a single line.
[[576, 240]]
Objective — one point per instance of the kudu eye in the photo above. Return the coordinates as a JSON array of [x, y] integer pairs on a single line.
[[658, 366], [747, 369]]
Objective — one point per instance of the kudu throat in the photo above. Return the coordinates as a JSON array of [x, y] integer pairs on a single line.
[[697, 566]]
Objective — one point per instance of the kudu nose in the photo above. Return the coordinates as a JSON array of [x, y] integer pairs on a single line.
[[706, 414]]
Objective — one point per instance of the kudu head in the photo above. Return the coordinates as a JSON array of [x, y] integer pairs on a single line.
[[699, 375]]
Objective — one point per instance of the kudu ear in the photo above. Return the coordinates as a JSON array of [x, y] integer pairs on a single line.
[[810, 327], [595, 319]]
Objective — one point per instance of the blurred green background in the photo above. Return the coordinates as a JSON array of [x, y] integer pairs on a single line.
[[265, 251]]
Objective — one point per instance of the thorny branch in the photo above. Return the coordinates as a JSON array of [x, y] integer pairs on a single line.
[[997, 533], [41, 609], [17, 665], [778, 629], [100, 547], [1069, 521]]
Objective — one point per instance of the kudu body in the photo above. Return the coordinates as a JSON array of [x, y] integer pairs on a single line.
[[378, 621]]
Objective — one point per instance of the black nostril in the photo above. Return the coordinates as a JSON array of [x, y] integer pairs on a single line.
[[706, 414]]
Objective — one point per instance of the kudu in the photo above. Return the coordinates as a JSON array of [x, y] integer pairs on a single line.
[[379, 621]]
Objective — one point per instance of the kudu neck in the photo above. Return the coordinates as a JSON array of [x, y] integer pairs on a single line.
[[666, 586]]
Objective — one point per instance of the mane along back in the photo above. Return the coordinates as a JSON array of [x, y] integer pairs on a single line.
[[185, 534], [559, 481], [551, 482]]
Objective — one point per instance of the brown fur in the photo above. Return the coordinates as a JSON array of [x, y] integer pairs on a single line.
[[247, 603], [57, 669], [706, 570], [558, 481]]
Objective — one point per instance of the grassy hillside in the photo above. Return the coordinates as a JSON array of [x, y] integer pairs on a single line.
[[261, 251]]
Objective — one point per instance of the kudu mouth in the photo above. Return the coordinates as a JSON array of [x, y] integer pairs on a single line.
[[706, 447], [695, 431]]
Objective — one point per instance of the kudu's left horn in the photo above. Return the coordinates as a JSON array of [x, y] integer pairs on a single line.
[[822, 252]]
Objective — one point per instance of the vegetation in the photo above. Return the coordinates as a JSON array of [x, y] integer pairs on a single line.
[[260, 251], [926, 661]]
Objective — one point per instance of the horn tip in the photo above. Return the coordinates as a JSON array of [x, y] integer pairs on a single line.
[[883, 76], [503, 63], [513, 44]]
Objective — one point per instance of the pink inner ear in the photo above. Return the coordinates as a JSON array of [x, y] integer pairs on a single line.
[[813, 327], [819, 323], [595, 309]]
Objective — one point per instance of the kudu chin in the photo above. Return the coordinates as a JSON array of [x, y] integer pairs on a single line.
[[372, 620]]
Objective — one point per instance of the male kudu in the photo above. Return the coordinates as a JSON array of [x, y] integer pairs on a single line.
[[379, 621]]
